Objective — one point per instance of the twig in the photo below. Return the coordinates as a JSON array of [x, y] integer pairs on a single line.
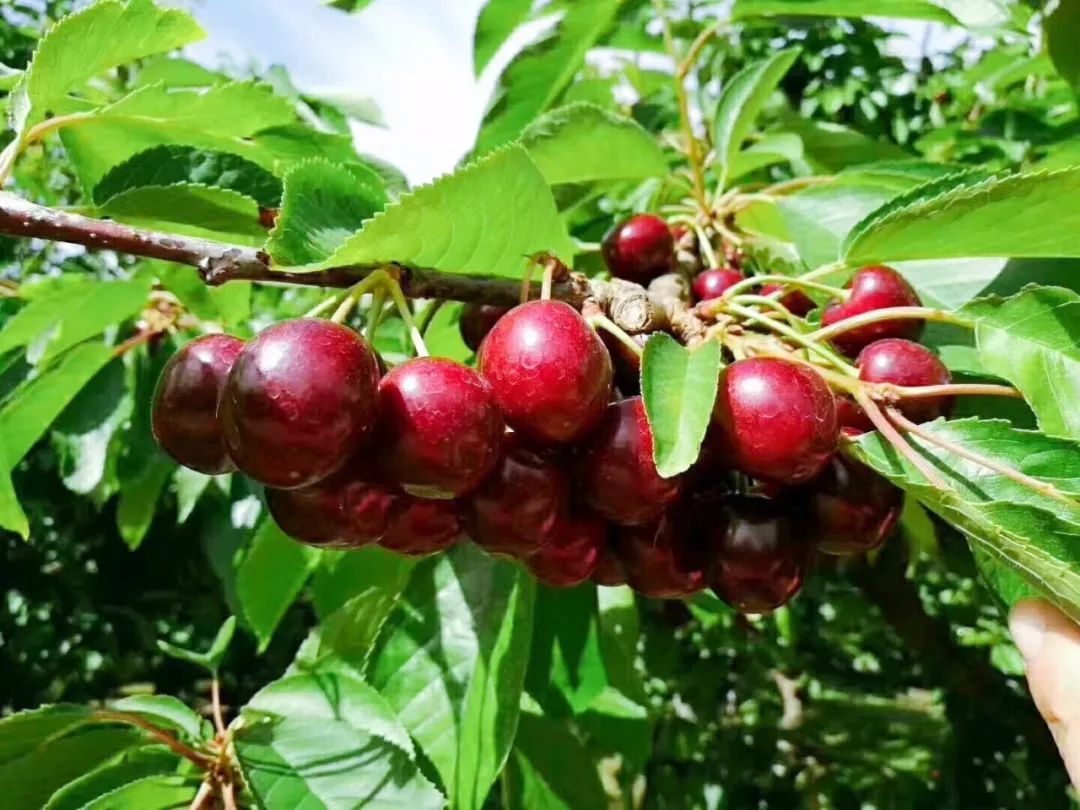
[[889, 431], [215, 704], [204, 795], [187, 752]]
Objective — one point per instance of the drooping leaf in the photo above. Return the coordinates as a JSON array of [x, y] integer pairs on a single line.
[[678, 386], [458, 692], [1032, 339], [741, 101], [191, 210], [498, 20], [582, 142], [551, 768], [130, 766], [164, 711], [482, 220]]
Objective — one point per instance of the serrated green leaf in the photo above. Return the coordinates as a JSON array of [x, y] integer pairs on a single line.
[[186, 165], [191, 210], [582, 142], [950, 283], [482, 220], [818, 219], [904, 9], [138, 503], [159, 791], [498, 20], [164, 711], [128, 767], [458, 693], [22, 732], [1032, 339], [741, 101], [551, 768], [88, 43], [678, 386], [538, 75], [323, 205], [964, 220], [770, 149]]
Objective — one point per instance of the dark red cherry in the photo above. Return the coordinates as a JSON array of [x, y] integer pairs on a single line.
[[855, 510], [775, 420], [796, 301], [712, 283], [625, 362], [300, 400], [417, 527], [520, 506], [440, 430], [852, 419], [639, 249], [758, 563], [476, 321], [660, 561], [184, 417], [609, 571], [573, 553], [550, 372], [617, 474], [907, 364], [873, 288]]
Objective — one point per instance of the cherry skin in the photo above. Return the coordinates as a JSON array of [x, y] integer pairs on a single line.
[[609, 570], [874, 288], [572, 555], [617, 474], [712, 283], [775, 420], [797, 302], [416, 527], [440, 430], [853, 419], [659, 561], [855, 510], [184, 417], [476, 321], [301, 398], [758, 564], [902, 362], [519, 507], [639, 249], [550, 372], [626, 363]]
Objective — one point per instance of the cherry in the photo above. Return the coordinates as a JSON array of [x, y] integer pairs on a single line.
[[440, 428], [617, 474], [184, 416], [476, 321], [626, 363], [519, 507], [639, 249], [609, 571], [658, 561], [711, 284], [758, 563], [872, 288], [852, 419], [573, 554], [550, 372], [855, 509], [416, 527], [797, 302], [775, 420], [300, 399], [904, 363]]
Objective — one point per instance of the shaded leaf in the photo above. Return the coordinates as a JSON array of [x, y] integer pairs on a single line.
[[552, 769], [566, 666], [128, 767], [138, 503], [22, 732], [158, 791], [12, 517], [191, 210]]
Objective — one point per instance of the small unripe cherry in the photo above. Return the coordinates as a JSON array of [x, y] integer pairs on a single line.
[[417, 527], [873, 288], [711, 284], [907, 364], [573, 553], [476, 321], [854, 509], [639, 249], [795, 300], [658, 560]]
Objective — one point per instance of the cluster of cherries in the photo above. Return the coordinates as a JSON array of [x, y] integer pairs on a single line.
[[543, 453]]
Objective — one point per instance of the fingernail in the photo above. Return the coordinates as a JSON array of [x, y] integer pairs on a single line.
[[1028, 629]]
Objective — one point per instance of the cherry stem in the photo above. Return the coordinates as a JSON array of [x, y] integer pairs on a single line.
[[786, 281], [187, 752], [215, 706], [402, 304], [374, 313], [323, 307], [771, 303], [951, 390], [790, 334], [893, 436], [887, 314], [1034, 484], [546, 281], [599, 320], [825, 271], [706, 246]]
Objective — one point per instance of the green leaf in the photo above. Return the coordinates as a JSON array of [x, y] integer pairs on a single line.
[[1060, 29], [620, 629], [90, 42], [552, 769], [191, 210], [818, 219], [164, 711], [498, 20], [22, 732], [678, 386], [458, 692], [186, 165], [566, 667], [138, 503], [904, 9], [829, 147], [741, 102], [950, 283], [269, 577], [322, 207], [963, 219], [1032, 339], [321, 764], [212, 658], [482, 220], [539, 74], [12, 517], [160, 791], [582, 142], [770, 149], [130, 766]]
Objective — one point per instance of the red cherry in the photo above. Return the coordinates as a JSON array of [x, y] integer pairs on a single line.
[[617, 473], [639, 249], [904, 363], [758, 564], [852, 419], [712, 283], [796, 301], [184, 416], [550, 372], [439, 427], [520, 506], [775, 420], [873, 288], [299, 401], [626, 363], [855, 509], [476, 321], [609, 571], [417, 527], [659, 562], [572, 555]]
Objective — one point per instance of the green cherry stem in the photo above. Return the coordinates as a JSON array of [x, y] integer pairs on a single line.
[[600, 321], [897, 440], [952, 390], [887, 314], [773, 304], [786, 281], [402, 304], [323, 307], [706, 245], [795, 337], [374, 313]]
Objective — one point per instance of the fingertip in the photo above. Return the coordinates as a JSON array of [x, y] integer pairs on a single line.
[[1027, 623]]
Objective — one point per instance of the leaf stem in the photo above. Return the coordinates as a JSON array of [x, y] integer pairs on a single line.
[[887, 314], [187, 752], [893, 436], [215, 705]]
